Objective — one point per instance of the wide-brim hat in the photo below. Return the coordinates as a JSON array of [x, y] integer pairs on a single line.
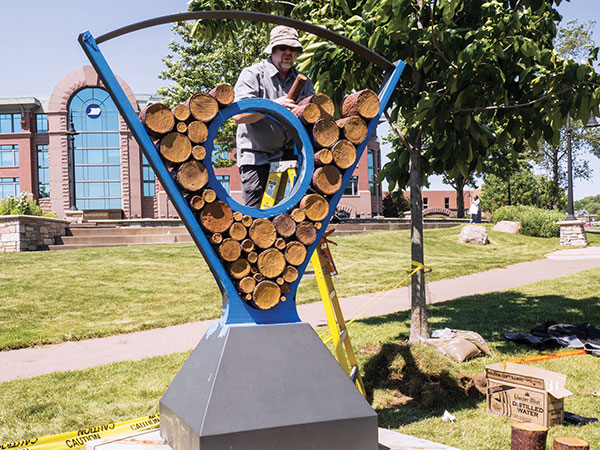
[[282, 35]]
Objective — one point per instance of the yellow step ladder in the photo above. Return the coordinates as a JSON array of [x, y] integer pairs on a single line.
[[281, 179]]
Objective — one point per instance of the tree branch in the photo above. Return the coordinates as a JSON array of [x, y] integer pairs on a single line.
[[398, 132], [516, 105]]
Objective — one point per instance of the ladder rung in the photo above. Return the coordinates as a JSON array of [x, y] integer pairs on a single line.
[[354, 374]]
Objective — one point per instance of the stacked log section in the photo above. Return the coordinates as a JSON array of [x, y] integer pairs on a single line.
[[230, 250], [197, 202], [354, 128], [323, 157], [263, 233], [192, 175], [308, 114], [325, 132], [306, 233], [247, 285], [203, 107], [175, 147], [238, 231], [158, 119], [285, 288], [267, 294], [271, 263], [314, 207], [252, 257], [247, 245], [363, 103], [295, 253], [247, 221], [181, 127], [296, 88], [216, 217], [528, 436], [198, 152], [343, 153], [327, 179], [323, 101], [181, 112], [237, 216], [285, 225], [197, 132], [290, 274], [280, 243], [223, 94], [210, 196], [240, 269], [216, 238], [298, 215], [569, 443]]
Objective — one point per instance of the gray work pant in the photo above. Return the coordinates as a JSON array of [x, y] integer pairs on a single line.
[[254, 181]]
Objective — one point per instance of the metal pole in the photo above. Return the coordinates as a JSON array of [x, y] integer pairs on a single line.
[[570, 210], [71, 164]]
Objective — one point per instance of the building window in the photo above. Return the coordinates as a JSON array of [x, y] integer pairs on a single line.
[[352, 186], [224, 179], [10, 123], [9, 155], [371, 167], [425, 202], [148, 177], [41, 123], [43, 171], [447, 202], [9, 186]]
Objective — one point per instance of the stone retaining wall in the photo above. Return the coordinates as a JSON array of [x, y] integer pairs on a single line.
[[29, 233], [572, 233]]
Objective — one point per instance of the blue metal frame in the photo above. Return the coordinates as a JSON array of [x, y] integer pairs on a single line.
[[235, 310]]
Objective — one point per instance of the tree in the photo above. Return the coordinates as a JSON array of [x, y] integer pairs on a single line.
[[470, 63], [591, 204], [459, 182], [394, 204]]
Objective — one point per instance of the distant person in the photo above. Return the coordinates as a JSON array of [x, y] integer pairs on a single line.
[[475, 211]]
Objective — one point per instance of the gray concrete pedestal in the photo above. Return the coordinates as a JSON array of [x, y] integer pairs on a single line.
[[265, 387]]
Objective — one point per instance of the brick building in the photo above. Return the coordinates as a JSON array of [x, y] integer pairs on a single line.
[[444, 202], [111, 175]]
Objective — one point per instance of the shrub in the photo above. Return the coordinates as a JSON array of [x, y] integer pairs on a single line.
[[13, 206], [394, 204], [534, 221]]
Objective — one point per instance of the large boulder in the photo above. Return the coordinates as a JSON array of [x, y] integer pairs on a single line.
[[507, 226], [473, 234]]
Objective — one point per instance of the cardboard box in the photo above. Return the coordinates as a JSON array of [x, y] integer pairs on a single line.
[[526, 393]]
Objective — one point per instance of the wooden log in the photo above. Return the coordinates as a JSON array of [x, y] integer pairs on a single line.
[[308, 114], [285, 225], [239, 269], [247, 221], [247, 285], [298, 215], [197, 202], [363, 103], [528, 436], [325, 132], [198, 152], [258, 277], [296, 88], [181, 112], [318, 225], [210, 196], [323, 101], [203, 106], [323, 157], [238, 231], [266, 294], [285, 288], [175, 147], [248, 297], [271, 263], [279, 281], [216, 238], [263, 233], [230, 250], [290, 274], [223, 93], [569, 443], [237, 216], [192, 175], [327, 179], [280, 244], [158, 119], [343, 153], [315, 207], [353, 128], [197, 132], [216, 217], [252, 257], [306, 232], [181, 127], [295, 253], [247, 245]]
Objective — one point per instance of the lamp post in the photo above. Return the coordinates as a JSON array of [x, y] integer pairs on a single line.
[[570, 210], [71, 133]]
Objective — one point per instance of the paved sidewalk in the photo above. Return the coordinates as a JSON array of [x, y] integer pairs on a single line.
[[78, 355]]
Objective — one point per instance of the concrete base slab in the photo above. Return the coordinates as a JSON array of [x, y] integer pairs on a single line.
[[151, 440]]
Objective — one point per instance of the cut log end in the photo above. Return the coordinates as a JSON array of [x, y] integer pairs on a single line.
[[315, 207], [223, 94], [263, 233], [203, 107], [197, 132], [230, 250], [364, 103], [210, 196], [238, 231], [192, 175], [295, 253], [198, 152], [216, 217], [298, 215], [528, 436], [157, 118], [569, 443], [197, 202], [247, 245], [175, 147], [343, 153], [247, 285], [323, 157], [290, 274], [325, 132], [271, 263], [327, 179], [285, 225], [240, 269], [181, 112], [306, 233], [267, 294]]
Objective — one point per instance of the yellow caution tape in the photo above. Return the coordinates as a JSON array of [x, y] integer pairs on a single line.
[[78, 439]]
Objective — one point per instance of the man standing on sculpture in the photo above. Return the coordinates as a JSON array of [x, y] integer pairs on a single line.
[[260, 139]]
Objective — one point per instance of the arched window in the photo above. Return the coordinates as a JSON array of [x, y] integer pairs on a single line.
[[97, 150]]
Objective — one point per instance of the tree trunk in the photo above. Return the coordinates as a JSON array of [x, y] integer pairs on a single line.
[[460, 197], [528, 436], [555, 179]]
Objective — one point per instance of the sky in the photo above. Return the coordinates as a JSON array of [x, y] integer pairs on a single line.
[[39, 47]]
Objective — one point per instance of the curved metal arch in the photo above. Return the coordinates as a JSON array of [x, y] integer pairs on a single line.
[[336, 38]]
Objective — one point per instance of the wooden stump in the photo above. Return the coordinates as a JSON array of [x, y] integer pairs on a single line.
[[203, 107], [175, 147], [323, 101], [223, 94], [181, 112], [298, 215], [315, 207], [271, 263], [263, 233], [363, 103], [238, 231], [353, 128], [306, 233], [325, 132], [323, 157], [197, 132], [285, 225], [267, 294], [240, 269], [344, 153], [327, 179], [528, 436], [230, 250], [308, 114], [569, 443], [295, 253], [216, 217], [158, 119], [197, 202], [247, 285], [198, 152], [192, 175]]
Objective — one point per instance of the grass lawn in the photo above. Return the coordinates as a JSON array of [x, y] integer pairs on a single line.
[[409, 386], [48, 297]]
